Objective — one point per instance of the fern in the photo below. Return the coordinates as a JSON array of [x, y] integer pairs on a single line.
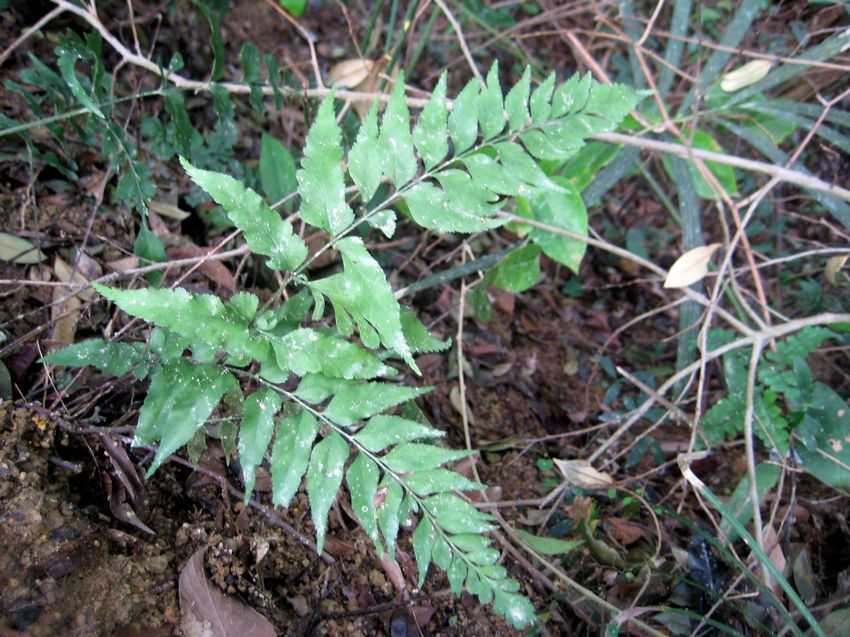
[[452, 172], [783, 392]]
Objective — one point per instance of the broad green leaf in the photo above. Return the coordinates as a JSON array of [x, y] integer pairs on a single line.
[[202, 319], [324, 477], [456, 575], [309, 351], [432, 208], [66, 62], [522, 167], [740, 504], [540, 100], [354, 402], [484, 591], [470, 542], [824, 433], [315, 388], [384, 431], [539, 145], [277, 169], [365, 158], [438, 480], [295, 7], [362, 480], [491, 111], [423, 545], [467, 196], [517, 609], [19, 250], [288, 315], [167, 345], [520, 270], [463, 120], [291, 453], [397, 156], [148, 246], [724, 173], [582, 169], [414, 456], [363, 293], [383, 220], [485, 557], [548, 545], [245, 304], [473, 582], [488, 173], [417, 335], [430, 135], [180, 400], [320, 180], [441, 553], [456, 515], [516, 102], [563, 210], [111, 358], [389, 517], [571, 96], [264, 230], [255, 433], [611, 102]]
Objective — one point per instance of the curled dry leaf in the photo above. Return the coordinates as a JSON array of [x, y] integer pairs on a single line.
[[65, 311], [167, 210], [833, 267], [207, 612], [458, 404], [18, 250], [581, 474], [745, 75], [690, 267], [350, 73], [774, 551]]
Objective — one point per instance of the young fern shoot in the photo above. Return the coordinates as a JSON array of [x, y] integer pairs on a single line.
[[451, 173]]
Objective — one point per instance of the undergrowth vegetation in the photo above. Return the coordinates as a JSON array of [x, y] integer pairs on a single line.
[[308, 369]]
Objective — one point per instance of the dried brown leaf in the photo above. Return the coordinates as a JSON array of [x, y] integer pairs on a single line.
[[216, 271], [350, 73], [690, 267], [207, 612], [580, 473]]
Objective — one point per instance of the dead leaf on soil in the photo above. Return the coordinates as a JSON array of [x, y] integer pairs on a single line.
[[18, 250], [66, 309], [580, 473], [214, 270], [393, 573], [804, 577], [625, 531], [207, 612], [123, 265], [774, 551], [690, 267]]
